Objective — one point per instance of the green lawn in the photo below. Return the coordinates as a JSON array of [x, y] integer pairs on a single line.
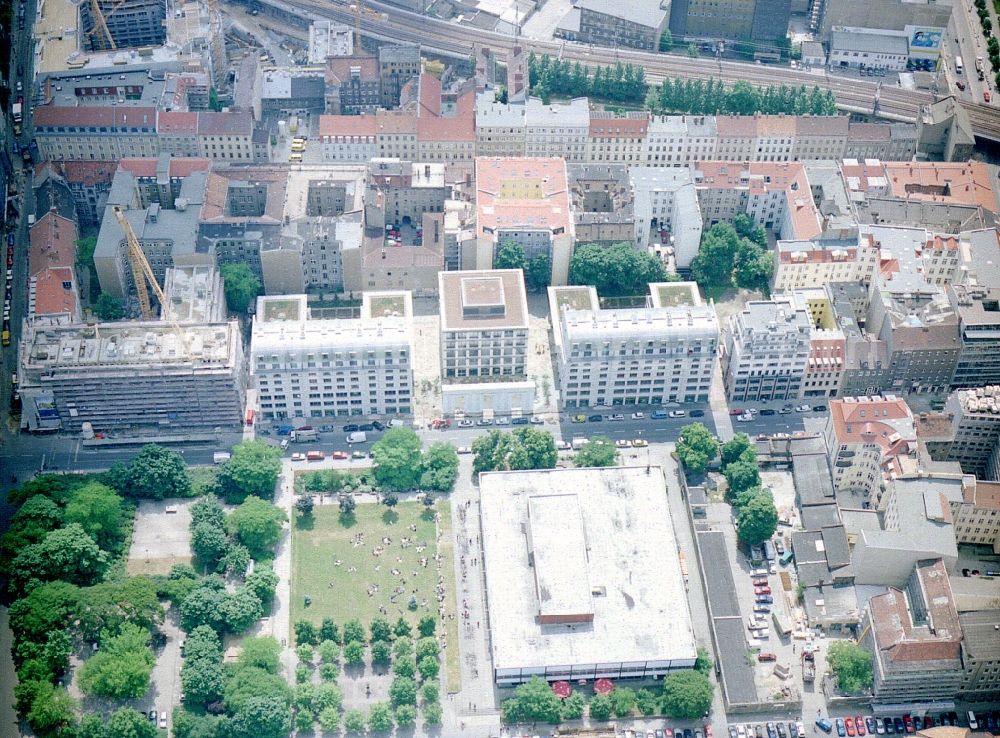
[[342, 591]]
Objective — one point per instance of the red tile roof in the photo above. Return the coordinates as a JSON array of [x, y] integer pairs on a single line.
[[176, 122], [93, 116], [232, 123], [53, 243], [51, 293], [88, 172], [347, 125]]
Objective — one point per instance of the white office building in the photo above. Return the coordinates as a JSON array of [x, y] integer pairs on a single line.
[[662, 353], [306, 367]]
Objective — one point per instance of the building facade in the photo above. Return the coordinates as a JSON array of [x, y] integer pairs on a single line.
[[766, 351]]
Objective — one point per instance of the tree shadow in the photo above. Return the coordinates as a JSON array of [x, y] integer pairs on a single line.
[[390, 517], [305, 522], [347, 519], [428, 514]]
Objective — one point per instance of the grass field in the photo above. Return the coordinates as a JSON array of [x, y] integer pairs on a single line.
[[362, 582]]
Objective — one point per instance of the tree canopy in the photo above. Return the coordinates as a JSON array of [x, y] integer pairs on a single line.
[[734, 253], [155, 473], [252, 469], [617, 270], [257, 524], [109, 307], [852, 664], [67, 553], [397, 459], [597, 451], [241, 286], [758, 518], [696, 446], [99, 511], [533, 701], [121, 669], [439, 467], [520, 449], [687, 694]]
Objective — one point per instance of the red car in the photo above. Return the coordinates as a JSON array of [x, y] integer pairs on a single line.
[[761, 582], [762, 590], [339, 455], [849, 724], [908, 724], [708, 731], [859, 722], [736, 411], [986, 95], [766, 657]]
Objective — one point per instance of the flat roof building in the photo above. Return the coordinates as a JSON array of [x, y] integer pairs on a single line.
[[582, 576]]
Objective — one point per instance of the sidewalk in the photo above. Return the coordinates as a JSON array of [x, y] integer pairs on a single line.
[[278, 624]]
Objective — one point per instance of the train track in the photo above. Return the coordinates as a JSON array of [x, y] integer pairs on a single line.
[[853, 96]]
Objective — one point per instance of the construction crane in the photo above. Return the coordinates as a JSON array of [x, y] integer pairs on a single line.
[[101, 23], [359, 9], [142, 272]]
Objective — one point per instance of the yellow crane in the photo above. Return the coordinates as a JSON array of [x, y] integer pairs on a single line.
[[142, 272], [101, 23]]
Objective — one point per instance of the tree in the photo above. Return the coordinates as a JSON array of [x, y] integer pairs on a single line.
[[105, 607], [46, 608], [249, 683], [432, 713], [121, 670], [155, 473], [264, 652], [85, 248], [538, 272], [758, 520], [57, 650], [524, 448], [354, 631], [263, 582], [354, 721], [428, 668], [209, 544], [647, 701], [616, 270], [66, 553], [252, 469], [380, 718], [696, 446], [304, 505], [428, 648], [533, 701], [354, 653], [397, 459], [713, 266], [405, 666], [346, 503], [406, 716], [687, 694], [236, 560], [600, 708], [381, 652], [703, 663], [329, 719], [257, 524], [402, 648], [439, 467], [240, 609], [754, 267], [403, 691], [99, 511], [666, 40], [852, 664], [427, 626], [573, 706], [622, 701], [241, 286], [108, 307], [692, 51], [402, 628], [733, 449], [598, 451], [510, 255], [328, 631], [741, 475], [262, 716], [202, 607], [380, 629], [329, 652], [202, 675], [208, 510], [52, 709], [127, 722]]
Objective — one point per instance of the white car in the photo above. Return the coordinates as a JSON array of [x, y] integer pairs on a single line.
[[640, 443], [284, 444], [752, 411], [622, 443], [463, 450], [638, 416], [803, 408], [502, 420], [744, 418], [616, 416], [298, 457], [677, 414], [163, 719], [564, 445], [536, 420]]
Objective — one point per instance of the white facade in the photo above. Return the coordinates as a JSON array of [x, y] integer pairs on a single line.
[[667, 197], [646, 356], [487, 399], [815, 263], [306, 368], [767, 351], [557, 130]]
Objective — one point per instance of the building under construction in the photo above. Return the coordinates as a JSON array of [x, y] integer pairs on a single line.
[[122, 24]]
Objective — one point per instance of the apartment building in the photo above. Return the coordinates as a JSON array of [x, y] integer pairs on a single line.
[[348, 138], [53, 294], [892, 142], [353, 84], [94, 133], [827, 345], [397, 65], [975, 295], [401, 192], [524, 200], [552, 131], [500, 127], [635, 25], [766, 351], [132, 376], [869, 441], [667, 210], [915, 637], [976, 514], [230, 137], [178, 133], [601, 202], [817, 262], [305, 367], [679, 140], [975, 430], [613, 138], [776, 196], [980, 655], [291, 90], [662, 353]]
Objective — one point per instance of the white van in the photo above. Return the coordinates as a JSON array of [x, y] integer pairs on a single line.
[[973, 723], [357, 437], [220, 457]]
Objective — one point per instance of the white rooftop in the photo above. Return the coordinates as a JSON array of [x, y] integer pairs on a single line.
[[590, 553]]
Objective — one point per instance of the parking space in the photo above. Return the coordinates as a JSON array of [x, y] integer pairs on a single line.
[[160, 537]]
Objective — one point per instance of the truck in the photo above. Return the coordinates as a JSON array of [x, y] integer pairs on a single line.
[[285, 430], [808, 667], [768, 550], [302, 435], [17, 114], [981, 67], [220, 457], [579, 442], [357, 437], [958, 65]]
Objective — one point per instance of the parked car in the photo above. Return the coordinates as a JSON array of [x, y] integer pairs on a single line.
[[466, 423], [351, 428], [744, 418], [563, 445], [771, 732], [339, 455], [697, 413], [377, 425], [841, 728], [800, 729], [152, 715], [503, 420], [298, 457], [734, 411], [640, 443], [765, 656], [579, 419], [484, 421], [879, 726], [359, 454], [616, 416], [622, 443], [762, 590], [849, 725], [859, 724], [825, 725], [764, 599], [781, 731], [638, 416], [784, 410], [658, 414], [519, 421], [677, 413], [898, 726], [595, 418], [819, 408], [768, 412], [537, 420], [870, 724], [760, 582], [163, 720], [908, 724]]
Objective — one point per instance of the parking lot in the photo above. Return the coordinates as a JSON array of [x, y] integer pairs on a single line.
[[161, 537]]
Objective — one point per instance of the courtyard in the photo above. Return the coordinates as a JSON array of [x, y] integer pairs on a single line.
[[377, 562]]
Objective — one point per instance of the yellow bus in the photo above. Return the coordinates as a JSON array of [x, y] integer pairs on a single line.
[[295, 157]]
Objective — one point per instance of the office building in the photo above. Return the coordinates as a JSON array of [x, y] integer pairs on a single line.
[[916, 639], [975, 430], [327, 38], [131, 23], [766, 351], [305, 367], [975, 296], [760, 20], [663, 353], [980, 655], [635, 25], [560, 608]]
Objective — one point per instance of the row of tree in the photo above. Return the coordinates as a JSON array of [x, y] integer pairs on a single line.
[[401, 464], [756, 515], [618, 270], [537, 269], [734, 254], [619, 83], [529, 448], [685, 695], [714, 97]]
